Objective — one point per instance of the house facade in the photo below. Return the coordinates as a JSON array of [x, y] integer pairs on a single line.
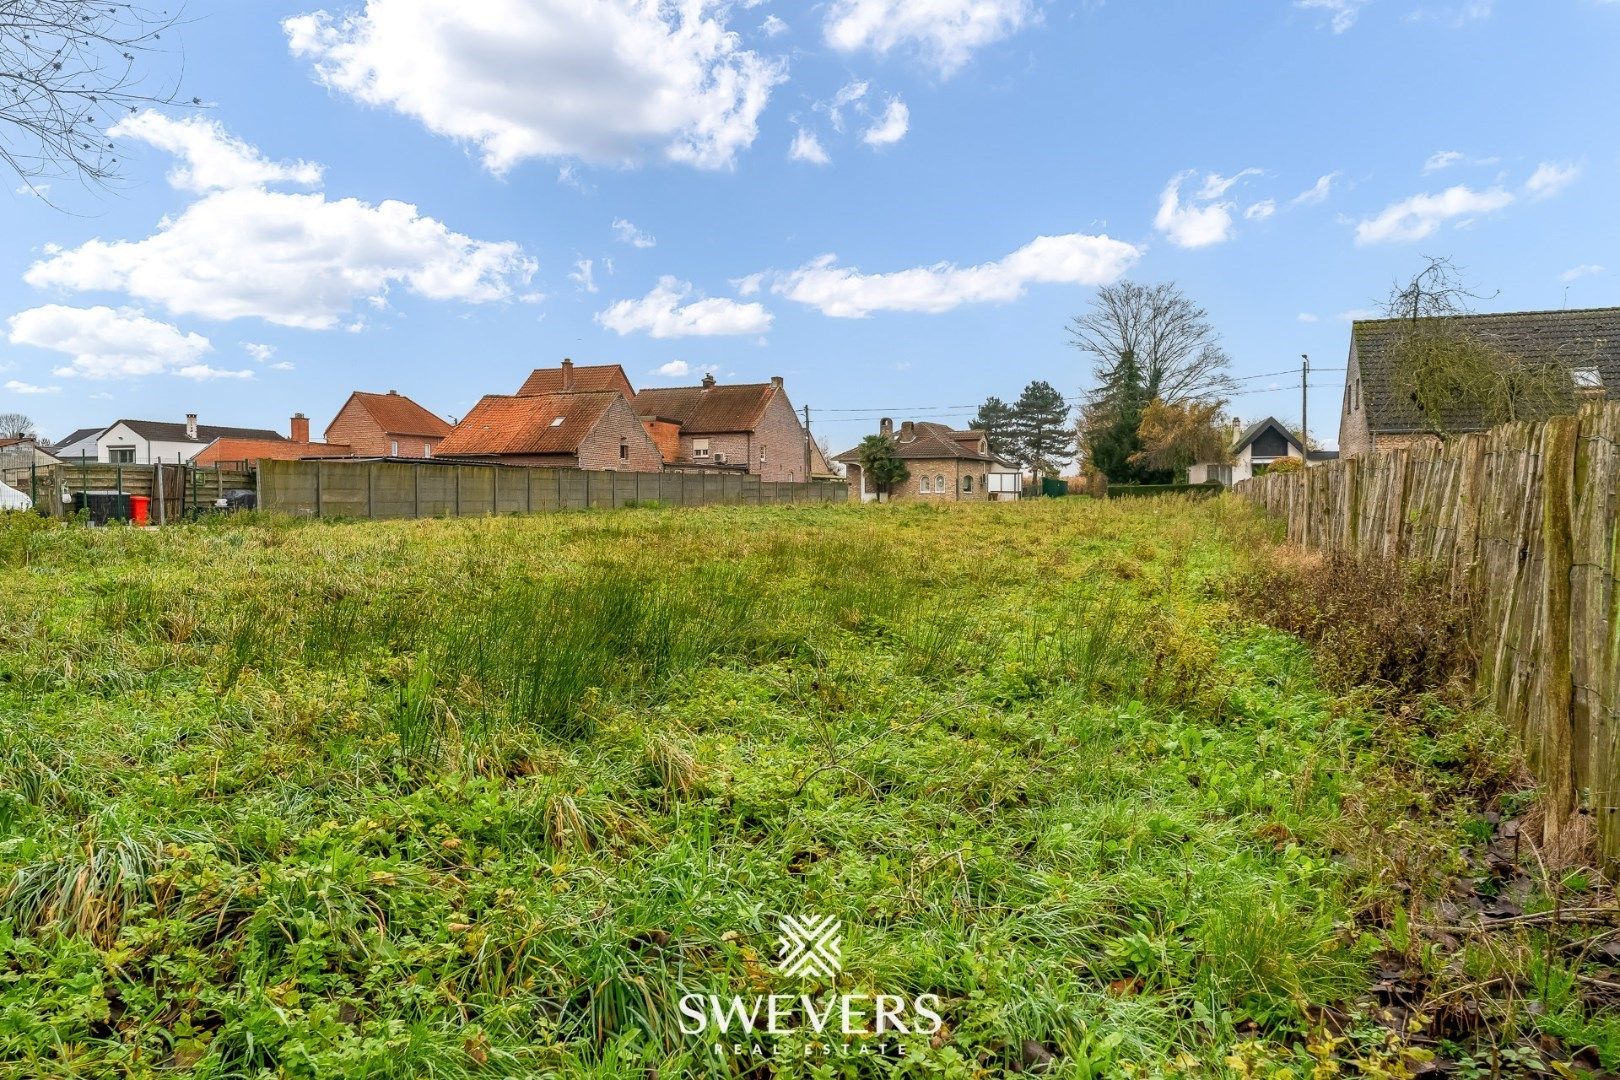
[[945, 466], [242, 451], [577, 429], [742, 427], [386, 425], [1377, 415], [1255, 448], [145, 442]]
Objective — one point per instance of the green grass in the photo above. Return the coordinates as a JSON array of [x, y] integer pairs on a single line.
[[487, 797]]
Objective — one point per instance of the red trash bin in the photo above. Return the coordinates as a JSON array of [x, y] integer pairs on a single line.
[[138, 507]]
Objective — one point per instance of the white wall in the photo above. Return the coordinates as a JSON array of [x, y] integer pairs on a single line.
[[146, 451]]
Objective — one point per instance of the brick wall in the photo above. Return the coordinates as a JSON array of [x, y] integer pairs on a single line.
[[1354, 437], [354, 427], [618, 427], [953, 470], [781, 436]]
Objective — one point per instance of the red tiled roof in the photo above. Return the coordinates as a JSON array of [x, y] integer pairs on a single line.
[[707, 410], [525, 423], [586, 377], [397, 414], [230, 449]]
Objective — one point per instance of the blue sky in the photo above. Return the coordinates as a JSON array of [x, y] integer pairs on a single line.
[[895, 204]]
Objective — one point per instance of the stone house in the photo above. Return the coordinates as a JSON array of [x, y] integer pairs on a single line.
[[576, 429], [1377, 415], [945, 466], [386, 425], [743, 427]]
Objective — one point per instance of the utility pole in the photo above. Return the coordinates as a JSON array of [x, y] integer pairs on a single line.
[[807, 471], [1305, 406]]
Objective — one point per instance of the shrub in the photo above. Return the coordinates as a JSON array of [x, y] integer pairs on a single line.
[[1285, 465], [1373, 620]]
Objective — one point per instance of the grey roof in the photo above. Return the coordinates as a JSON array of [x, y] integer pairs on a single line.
[[928, 442], [1580, 339], [1252, 432], [75, 436], [164, 431]]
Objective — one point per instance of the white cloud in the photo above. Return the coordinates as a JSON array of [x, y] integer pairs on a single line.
[[807, 147], [1261, 210], [1317, 192], [202, 372], [851, 93], [290, 259], [1443, 159], [665, 313], [1197, 221], [212, 159], [846, 293], [1550, 178], [1358, 314], [1306, 317], [945, 32], [773, 26], [748, 285], [891, 127], [583, 275], [1342, 13], [261, 353], [606, 81], [1575, 273], [105, 343], [1421, 215], [674, 369], [629, 234], [16, 386]]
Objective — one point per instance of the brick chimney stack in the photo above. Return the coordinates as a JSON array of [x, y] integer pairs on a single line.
[[567, 374], [776, 381], [708, 380], [191, 426], [886, 427], [300, 429], [908, 430]]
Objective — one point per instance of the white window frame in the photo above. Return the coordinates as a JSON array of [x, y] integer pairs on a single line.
[[113, 453], [700, 449], [922, 486]]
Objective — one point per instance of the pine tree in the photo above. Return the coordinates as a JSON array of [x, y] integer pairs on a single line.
[[998, 422], [1113, 420], [1042, 429]]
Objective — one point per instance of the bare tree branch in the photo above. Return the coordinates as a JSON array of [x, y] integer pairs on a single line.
[[1170, 336]]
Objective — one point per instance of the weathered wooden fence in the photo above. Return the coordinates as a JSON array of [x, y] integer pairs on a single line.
[[175, 490], [395, 489], [1524, 515]]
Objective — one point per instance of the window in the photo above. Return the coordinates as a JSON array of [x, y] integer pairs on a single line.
[[393, 448], [939, 485], [624, 449], [700, 448], [1588, 379], [557, 422], [967, 483], [427, 449], [121, 455], [1357, 405], [922, 486], [762, 455]]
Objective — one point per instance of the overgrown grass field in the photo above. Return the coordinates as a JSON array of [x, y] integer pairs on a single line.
[[489, 797]]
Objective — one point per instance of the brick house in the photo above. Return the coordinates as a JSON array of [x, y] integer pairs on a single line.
[[386, 425], [577, 429], [233, 450], [945, 466], [1376, 415], [745, 427], [571, 376]]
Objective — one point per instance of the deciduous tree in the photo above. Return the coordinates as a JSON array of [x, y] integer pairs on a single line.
[[1174, 437], [1171, 338]]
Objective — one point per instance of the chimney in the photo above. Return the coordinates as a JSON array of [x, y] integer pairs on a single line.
[[191, 426], [886, 427], [1237, 427], [300, 429], [908, 431], [708, 380], [776, 381], [568, 374]]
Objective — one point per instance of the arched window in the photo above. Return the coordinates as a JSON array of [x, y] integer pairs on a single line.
[[967, 483], [922, 485], [939, 484]]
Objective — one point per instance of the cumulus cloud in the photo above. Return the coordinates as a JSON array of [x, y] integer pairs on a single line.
[[211, 159], [627, 233], [261, 353], [1317, 192], [106, 343], [1421, 215], [846, 293], [607, 81], [889, 128], [1341, 13], [16, 386], [945, 33], [807, 147], [773, 26], [290, 259], [1197, 221], [674, 369], [1550, 178], [673, 310]]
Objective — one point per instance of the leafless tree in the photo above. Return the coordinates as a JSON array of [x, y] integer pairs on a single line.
[[68, 69], [1168, 335], [14, 425], [1453, 371]]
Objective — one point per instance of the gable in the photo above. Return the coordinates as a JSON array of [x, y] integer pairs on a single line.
[[580, 377]]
